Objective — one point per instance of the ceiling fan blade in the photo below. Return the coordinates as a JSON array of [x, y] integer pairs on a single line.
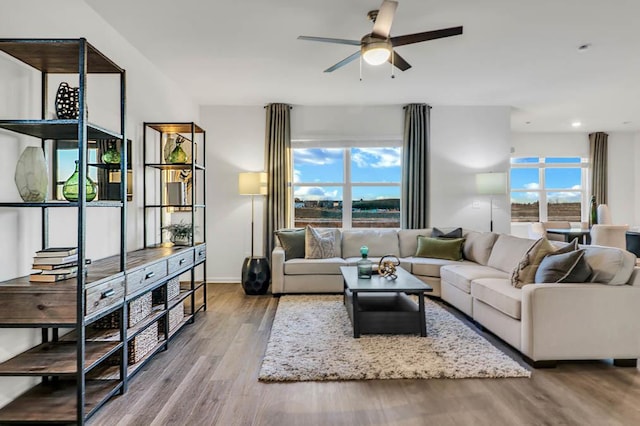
[[382, 26], [343, 62], [399, 61], [331, 40], [428, 35]]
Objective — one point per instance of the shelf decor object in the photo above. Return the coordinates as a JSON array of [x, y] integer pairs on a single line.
[[177, 156], [181, 234], [111, 155], [255, 269], [31, 176], [67, 101], [70, 188], [491, 184]]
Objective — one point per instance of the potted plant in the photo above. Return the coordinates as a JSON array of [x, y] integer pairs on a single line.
[[180, 234]]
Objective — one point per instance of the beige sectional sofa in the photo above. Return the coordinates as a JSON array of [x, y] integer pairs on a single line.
[[599, 319]]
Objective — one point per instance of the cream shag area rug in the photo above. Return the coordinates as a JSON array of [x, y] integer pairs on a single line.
[[312, 339]]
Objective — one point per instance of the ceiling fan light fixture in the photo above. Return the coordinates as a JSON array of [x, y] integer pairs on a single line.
[[376, 52]]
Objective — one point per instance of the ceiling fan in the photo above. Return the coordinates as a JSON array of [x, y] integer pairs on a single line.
[[377, 47]]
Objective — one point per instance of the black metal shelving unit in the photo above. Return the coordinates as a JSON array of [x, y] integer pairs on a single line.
[[68, 393], [155, 164]]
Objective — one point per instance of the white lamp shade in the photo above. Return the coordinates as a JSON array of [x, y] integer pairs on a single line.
[[252, 183], [491, 183]]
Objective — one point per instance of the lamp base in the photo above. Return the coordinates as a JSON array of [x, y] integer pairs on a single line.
[[255, 275]]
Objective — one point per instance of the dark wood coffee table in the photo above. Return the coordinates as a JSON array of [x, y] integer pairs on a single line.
[[382, 306]]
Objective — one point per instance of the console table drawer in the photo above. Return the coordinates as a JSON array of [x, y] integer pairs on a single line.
[[144, 277], [201, 252], [104, 295], [180, 261]]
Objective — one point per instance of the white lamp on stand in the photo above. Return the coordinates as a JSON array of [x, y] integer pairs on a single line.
[[491, 184], [255, 270]]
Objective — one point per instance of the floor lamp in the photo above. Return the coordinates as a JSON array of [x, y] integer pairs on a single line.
[[491, 184], [255, 269]]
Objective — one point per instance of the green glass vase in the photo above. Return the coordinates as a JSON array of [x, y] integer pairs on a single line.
[[178, 156], [111, 155], [70, 187]]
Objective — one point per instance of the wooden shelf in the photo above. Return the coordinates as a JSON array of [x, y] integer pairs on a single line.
[[185, 166], [175, 127], [66, 204], [56, 359], [184, 321], [57, 55], [55, 402], [56, 129]]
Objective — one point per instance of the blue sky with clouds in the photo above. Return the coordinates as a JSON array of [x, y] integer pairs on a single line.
[[326, 165], [564, 179]]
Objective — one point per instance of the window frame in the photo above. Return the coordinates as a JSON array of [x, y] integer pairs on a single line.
[[348, 184], [542, 191]]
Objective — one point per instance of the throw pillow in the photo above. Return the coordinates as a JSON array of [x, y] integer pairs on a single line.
[[448, 249], [525, 271], [456, 233], [292, 241], [318, 245], [564, 268], [573, 245]]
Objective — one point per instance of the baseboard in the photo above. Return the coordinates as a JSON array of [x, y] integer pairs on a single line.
[[224, 280]]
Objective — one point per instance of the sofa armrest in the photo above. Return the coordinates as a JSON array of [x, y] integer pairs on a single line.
[[277, 270], [580, 321]]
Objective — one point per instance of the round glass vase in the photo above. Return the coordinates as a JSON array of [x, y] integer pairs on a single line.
[[111, 155], [364, 265], [177, 156], [70, 187]]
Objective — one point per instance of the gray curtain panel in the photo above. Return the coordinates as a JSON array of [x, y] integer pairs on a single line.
[[598, 160], [278, 164], [415, 167]]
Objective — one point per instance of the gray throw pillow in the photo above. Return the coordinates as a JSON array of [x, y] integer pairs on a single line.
[[564, 268], [292, 241], [455, 233], [319, 245]]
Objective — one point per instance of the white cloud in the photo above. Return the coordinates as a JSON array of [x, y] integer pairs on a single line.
[[317, 156], [297, 175], [315, 193], [376, 157], [532, 185]]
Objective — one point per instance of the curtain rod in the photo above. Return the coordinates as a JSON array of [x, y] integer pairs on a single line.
[[427, 105], [290, 107]]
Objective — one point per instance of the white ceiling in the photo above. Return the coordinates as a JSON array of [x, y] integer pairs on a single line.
[[513, 52]]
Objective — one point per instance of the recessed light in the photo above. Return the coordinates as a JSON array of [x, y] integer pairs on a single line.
[[527, 122], [584, 47], [626, 122], [576, 124]]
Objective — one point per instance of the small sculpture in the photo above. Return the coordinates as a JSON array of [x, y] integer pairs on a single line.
[[387, 268]]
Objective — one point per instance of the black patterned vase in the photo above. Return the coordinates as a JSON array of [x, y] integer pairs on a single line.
[[67, 101], [256, 275]]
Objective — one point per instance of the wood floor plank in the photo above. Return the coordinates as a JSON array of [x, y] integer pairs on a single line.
[[209, 376]]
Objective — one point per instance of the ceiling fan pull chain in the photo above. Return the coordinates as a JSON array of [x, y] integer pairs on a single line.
[[393, 56], [360, 67]]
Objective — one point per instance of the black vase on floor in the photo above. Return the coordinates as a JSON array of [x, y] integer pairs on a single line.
[[255, 275]]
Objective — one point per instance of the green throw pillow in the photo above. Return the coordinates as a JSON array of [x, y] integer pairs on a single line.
[[292, 241], [448, 249]]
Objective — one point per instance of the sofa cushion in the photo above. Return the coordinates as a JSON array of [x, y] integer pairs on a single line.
[[454, 233], [319, 244], [408, 239], [292, 241], [430, 267], [564, 268], [461, 275], [380, 242], [610, 265], [437, 248], [478, 245], [507, 252], [330, 266], [499, 294]]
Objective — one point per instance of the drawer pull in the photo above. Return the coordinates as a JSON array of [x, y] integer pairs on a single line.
[[182, 261], [201, 252], [107, 293], [149, 275]]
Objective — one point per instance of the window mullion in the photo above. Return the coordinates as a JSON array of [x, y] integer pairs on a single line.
[[346, 191]]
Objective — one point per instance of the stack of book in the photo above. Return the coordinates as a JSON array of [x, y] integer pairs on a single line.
[[55, 264]]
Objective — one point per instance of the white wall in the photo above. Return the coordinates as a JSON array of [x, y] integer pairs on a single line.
[[150, 97], [466, 140]]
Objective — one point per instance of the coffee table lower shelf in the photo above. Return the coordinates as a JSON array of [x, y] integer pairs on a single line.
[[384, 313]]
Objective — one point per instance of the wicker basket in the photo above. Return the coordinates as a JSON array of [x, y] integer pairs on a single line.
[[175, 316], [139, 309], [142, 344], [172, 289]]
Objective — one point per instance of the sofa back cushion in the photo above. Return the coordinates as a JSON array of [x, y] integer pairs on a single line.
[[610, 265], [507, 252], [478, 245], [408, 239], [379, 241]]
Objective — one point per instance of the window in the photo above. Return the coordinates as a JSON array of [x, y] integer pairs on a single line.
[[548, 189], [347, 187]]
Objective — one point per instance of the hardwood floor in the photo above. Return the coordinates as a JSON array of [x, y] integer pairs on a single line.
[[209, 377]]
